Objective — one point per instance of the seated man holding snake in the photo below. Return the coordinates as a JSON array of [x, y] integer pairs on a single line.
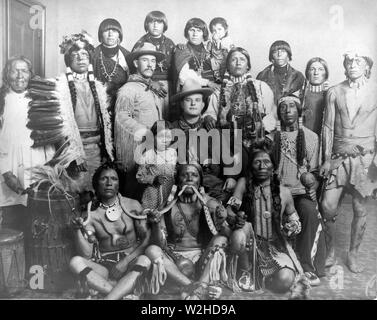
[[111, 240], [263, 223], [186, 241]]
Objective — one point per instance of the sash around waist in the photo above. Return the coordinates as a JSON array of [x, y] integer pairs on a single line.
[[343, 145]]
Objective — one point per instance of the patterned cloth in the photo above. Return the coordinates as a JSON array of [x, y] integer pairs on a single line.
[[237, 99], [270, 259], [193, 62], [288, 170], [161, 164]]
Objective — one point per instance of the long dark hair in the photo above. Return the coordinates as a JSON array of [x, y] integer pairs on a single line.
[[300, 140], [92, 86], [257, 148], [105, 166]]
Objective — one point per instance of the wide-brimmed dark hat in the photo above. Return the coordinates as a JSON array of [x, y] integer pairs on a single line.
[[146, 49], [191, 86]]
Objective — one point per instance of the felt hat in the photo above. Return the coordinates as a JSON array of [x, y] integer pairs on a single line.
[[146, 49], [191, 86]]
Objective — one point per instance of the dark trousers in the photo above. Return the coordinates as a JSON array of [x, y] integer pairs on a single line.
[[306, 209]]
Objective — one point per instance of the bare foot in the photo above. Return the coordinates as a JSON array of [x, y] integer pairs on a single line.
[[353, 264], [331, 259]]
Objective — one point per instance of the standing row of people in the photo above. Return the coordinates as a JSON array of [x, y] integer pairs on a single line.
[[291, 134]]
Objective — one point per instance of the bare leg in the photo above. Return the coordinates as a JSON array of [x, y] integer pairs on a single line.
[[238, 241], [127, 284], [329, 208], [97, 278], [358, 227], [154, 252]]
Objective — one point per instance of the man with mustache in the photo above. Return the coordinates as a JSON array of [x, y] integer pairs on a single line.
[[349, 150], [187, 237], [282, 78], [16, 152], [139, 105]]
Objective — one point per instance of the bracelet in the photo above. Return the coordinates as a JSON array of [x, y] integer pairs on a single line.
[[235, 203]]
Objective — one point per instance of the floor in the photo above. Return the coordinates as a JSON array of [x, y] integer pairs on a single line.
[[339, 283]]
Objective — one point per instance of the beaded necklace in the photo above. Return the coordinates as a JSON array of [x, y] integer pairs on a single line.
[[103, 68], [112, 211]]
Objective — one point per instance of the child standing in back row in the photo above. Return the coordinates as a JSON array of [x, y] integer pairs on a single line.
[[219, 45]]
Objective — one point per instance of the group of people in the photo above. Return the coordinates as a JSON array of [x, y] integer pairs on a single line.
[[157, 215]]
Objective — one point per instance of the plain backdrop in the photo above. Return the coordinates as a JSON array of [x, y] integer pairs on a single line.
[[313, 28]]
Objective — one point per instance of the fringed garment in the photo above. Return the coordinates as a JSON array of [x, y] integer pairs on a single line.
[[86, 134]]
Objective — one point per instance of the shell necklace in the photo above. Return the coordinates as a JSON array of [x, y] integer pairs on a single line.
[[112, 211]]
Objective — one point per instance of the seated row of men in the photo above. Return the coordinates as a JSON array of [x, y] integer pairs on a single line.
[[193, 240]]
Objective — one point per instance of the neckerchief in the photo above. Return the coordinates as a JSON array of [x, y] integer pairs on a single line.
[[185, 126], [150, 85]]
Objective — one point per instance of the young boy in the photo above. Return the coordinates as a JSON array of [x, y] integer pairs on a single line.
[[155, 26]]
